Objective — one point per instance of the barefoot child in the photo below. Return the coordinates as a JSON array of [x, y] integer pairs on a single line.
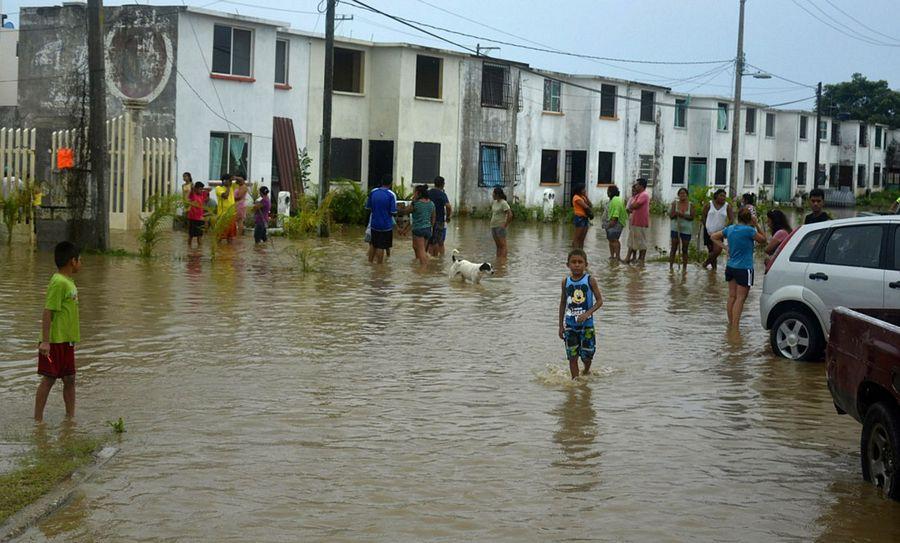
[[59, 331], [579, 300], [195, 201]]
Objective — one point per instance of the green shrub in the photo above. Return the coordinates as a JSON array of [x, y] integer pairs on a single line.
[[310, 218], [878, 200], [348, 206], [162, 206], [658, 207]]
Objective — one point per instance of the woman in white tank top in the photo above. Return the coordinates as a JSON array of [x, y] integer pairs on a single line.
[[717, 215]]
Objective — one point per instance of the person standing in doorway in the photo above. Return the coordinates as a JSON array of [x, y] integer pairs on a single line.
[[816, 204], [382, 203], [639, 207], [739, 268], [717, 214], [443, 210], [682, 216], [501, 216], [584, 212], [616, 217]]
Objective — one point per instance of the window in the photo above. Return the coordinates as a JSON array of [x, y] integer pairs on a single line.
[[857, 246], [647, 99], [426, 162], [552, 92], [605, 168], [823, 130], [678, 163], [646, 169], [878, 137], [680, 113], [863, 135], [494, 85], [749, 173], [721, 171], [608, 101], [804, 124], [770, 125], [876, 175], [348, 70], [860, 175], [229, 153], [820, 176], [835, 133], [346, 159], [492, 165], [281, 61], [806, 248], [232, 50], [768, 172], [429, 76], [722, 116], [750, 121], [801, 174], [549, 166], [833, 175]]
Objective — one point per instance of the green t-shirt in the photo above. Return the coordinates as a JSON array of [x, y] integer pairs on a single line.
[[617, 210], [498, 213], [421, 214], [62, 300]]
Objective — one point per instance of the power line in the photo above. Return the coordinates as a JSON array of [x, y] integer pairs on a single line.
[[843, 30], [860, 23], [776, 76]]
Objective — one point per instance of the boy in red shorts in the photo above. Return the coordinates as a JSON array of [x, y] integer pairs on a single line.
[[60, 330]]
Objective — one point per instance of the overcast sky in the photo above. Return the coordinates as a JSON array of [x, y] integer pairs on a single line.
[[789, 38]]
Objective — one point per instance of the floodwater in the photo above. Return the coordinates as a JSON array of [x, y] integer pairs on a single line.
[[386, 404]]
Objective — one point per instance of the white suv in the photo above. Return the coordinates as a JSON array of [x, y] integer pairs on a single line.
[[850, 262]]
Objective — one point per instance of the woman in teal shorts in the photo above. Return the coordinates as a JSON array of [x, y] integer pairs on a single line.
[[682, 216], [423, 215]]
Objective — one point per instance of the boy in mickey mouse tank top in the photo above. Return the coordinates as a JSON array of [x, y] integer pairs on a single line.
[[579, 300]]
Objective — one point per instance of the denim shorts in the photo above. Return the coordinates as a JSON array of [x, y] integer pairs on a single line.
[[684, 237], [498, 231], [422, 233], [581, 222], [438, 236]]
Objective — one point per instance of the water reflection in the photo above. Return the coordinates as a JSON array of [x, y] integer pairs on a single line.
[[576, 435]]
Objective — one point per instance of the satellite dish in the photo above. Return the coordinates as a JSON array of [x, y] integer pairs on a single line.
[[9, 25]]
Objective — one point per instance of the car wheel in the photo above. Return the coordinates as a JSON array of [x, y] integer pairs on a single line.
[[880, 449], [796, 335]]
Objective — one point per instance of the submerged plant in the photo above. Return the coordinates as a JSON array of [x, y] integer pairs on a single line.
[[162, 206], [307, 258], [219, 225], [310, 218], [118, 426]]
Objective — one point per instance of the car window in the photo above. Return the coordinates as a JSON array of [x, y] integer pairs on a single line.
[[805, 248], [858, 246], [897, 248]]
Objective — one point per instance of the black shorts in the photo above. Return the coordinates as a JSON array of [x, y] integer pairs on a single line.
[[707, 240], [195, 228], [743, 278], [382, 239]]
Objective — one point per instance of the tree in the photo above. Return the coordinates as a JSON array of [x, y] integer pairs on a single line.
[[864, 100]]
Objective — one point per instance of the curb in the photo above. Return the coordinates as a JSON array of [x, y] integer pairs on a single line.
[[55, 499]]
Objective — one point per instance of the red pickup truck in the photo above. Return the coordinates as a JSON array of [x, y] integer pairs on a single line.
[[863, 365]]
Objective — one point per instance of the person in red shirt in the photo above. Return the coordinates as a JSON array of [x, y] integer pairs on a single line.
[[196, 202], [639, 222]]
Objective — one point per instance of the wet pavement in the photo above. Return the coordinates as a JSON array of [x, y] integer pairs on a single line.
[[387, 404]]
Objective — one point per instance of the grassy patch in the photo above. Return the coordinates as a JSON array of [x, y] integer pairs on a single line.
[[41, 470]]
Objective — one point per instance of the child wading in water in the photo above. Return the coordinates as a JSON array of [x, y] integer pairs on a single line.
[[60, 331], [580, 299]]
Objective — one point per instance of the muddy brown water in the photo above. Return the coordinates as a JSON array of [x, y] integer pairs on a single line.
[[387, 404]]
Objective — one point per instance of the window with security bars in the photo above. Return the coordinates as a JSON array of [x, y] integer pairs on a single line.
[[606, 168], [346, 159], [863, 135], [646, 168], [770, 125], [801, 174], [878, 137], [492, 165], [876, 177], [495, 85], [804, 122], [648, 98], [835, 133], [768, 172], [608, 101], [552, 95], [722, 116], [678, 163]]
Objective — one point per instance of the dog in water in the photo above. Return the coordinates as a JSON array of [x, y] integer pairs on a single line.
[[469, 270]]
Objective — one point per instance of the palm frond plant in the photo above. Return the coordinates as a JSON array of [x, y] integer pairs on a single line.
[[162, 206], [219, 225], [349, 203]]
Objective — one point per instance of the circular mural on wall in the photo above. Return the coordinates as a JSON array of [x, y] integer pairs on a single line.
[[138, 62]]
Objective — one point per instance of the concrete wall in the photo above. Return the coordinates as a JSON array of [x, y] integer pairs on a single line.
[[9, 67], [293, 103]]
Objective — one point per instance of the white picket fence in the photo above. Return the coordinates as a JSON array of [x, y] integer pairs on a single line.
[[17, 155], [157, 164]]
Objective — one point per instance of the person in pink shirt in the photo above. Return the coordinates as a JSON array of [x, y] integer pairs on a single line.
[[781, 229], [195, 201], [639, 222]]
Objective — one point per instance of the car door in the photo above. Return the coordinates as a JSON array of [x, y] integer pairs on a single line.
[[848, 270], [892, 274]]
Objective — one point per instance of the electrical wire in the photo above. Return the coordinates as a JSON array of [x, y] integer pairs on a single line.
[[860, 23], [843, 30]]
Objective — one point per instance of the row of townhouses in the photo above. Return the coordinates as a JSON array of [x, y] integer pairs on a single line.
[[241, 94]]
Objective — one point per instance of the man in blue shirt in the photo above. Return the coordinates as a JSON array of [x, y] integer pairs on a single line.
[[442, 211], [382, 202]]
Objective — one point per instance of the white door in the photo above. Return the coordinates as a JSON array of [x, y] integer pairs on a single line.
[[849, 271], [892, 274]]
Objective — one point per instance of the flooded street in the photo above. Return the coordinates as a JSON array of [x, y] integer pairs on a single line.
[[387, 404]]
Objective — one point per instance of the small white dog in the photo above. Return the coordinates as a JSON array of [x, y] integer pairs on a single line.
[[469, 270]]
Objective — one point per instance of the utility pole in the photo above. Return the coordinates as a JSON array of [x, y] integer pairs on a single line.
[[816, 176], [736, 124], [325, 141], [97, 127]]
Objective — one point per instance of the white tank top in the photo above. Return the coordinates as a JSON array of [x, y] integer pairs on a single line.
[[716, 218]]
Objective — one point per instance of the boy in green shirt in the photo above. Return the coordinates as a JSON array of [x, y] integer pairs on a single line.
[[60, 330]]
